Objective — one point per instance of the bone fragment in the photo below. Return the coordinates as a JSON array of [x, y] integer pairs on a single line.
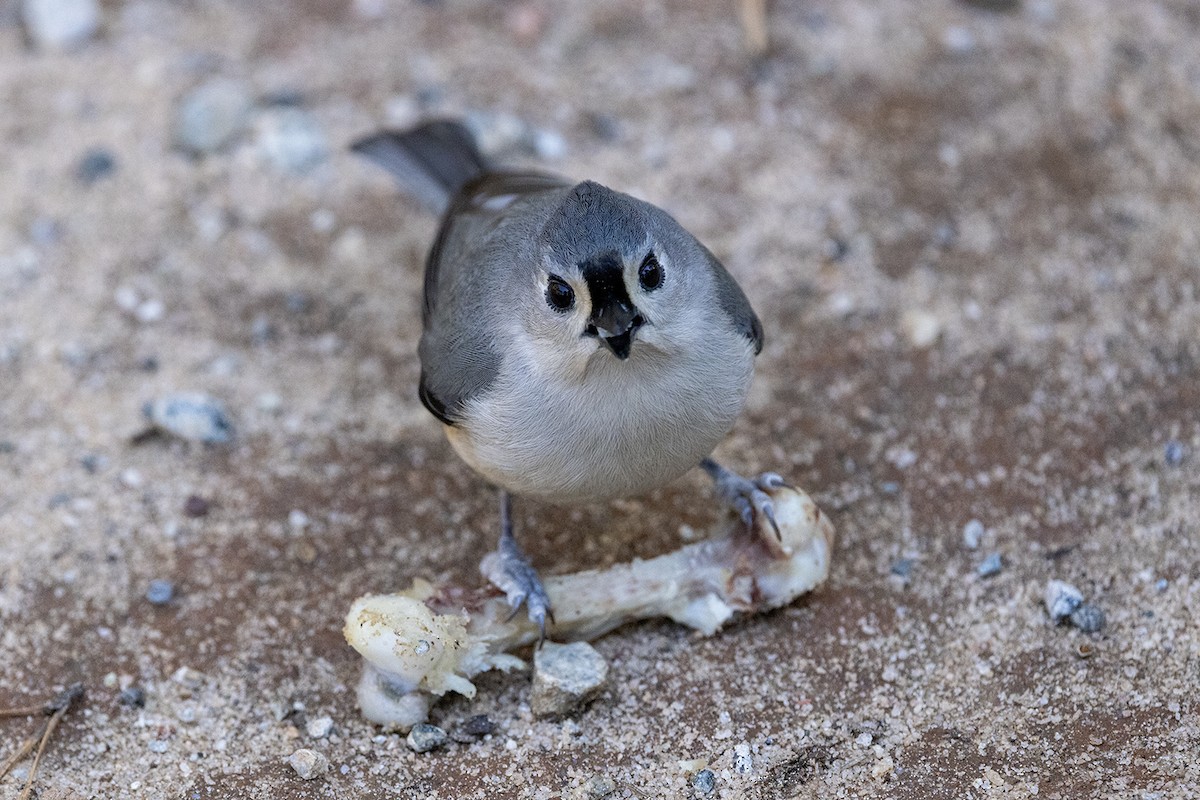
[[425, 641]]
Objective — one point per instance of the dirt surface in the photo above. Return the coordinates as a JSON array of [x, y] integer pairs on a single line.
[[970, 230]]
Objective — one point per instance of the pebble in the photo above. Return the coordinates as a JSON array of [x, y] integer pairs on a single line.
[[920, 327], [210, 116], [188, 678], [705, 782], [743, 762], [191, 416], [308, 763], [475, 727], [959, 39], [499, 134], [1173, 453], [1062, 599], [160, 592], [133, 697], [1161, 585], [425, 737], [902, 567], [598, 787], [45, 231], [319, 728], [291, 140], [972, 533], [565, 678], [1088, 618], [195, 506], [990, 566], [60, 24], [158, 746], [96, 163]]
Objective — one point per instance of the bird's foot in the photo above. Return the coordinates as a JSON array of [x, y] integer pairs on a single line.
[[748, 497], [510, 572]]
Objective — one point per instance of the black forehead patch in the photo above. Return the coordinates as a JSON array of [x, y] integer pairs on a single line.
[[604, 275], [593, 220]]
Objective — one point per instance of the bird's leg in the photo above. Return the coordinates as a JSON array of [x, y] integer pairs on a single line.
[[747, 496], [514, 575]]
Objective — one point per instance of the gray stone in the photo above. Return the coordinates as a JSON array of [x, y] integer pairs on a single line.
[[425, 737], [565, 678], [291, 139], [95, 164], [308, 764], [990, 566], [705, 782], [160, 592], [319, 728], [190, 416], [1088, 618], [60, 24], [972, 533], [1061, 599], [210, 116]]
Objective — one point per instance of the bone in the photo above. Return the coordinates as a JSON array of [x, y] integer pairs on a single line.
[[423, 642]]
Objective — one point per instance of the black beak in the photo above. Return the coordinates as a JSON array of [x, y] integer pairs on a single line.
[[616, 324]]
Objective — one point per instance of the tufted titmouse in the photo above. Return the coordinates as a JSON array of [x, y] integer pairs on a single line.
[[578, 344]]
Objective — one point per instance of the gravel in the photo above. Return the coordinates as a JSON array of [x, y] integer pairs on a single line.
[[566, 677], [319, 728], [990, 566], [308, 764], [972, 534], [1088, 618], [210, 116], [704, 782], [95, 164], [1061, 599], [191, 416], [60, 24], [291, 139], [160, 592], [425, 737]]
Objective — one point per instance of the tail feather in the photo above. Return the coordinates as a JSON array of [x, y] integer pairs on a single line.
[[431, 161]]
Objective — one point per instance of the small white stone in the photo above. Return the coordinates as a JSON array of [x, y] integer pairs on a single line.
[[297, 519], [921, 328], [149, 311], [565, 678], [972, 533], [1061, 599], [743, 762], [61, 24], [320, 727], [308, 763]]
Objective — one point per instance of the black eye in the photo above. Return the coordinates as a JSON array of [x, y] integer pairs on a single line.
[[559, 295], [650, 273]]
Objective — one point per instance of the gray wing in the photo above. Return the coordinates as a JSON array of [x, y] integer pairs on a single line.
[[481, 236], [733, 302]]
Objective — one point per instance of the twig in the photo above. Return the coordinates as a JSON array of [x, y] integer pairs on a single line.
[[24, 711], [19, 753], [56, 709]]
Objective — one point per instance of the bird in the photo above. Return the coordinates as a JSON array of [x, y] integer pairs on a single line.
[[578, 344]]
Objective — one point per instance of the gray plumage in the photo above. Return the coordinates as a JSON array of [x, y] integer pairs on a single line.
[[531, 398]]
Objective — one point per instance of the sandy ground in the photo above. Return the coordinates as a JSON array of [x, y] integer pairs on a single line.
[[972, 237]]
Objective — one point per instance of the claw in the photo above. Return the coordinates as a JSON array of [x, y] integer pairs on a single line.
[[749, 498]]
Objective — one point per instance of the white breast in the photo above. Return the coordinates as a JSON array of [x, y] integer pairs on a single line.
[[619, 429]]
